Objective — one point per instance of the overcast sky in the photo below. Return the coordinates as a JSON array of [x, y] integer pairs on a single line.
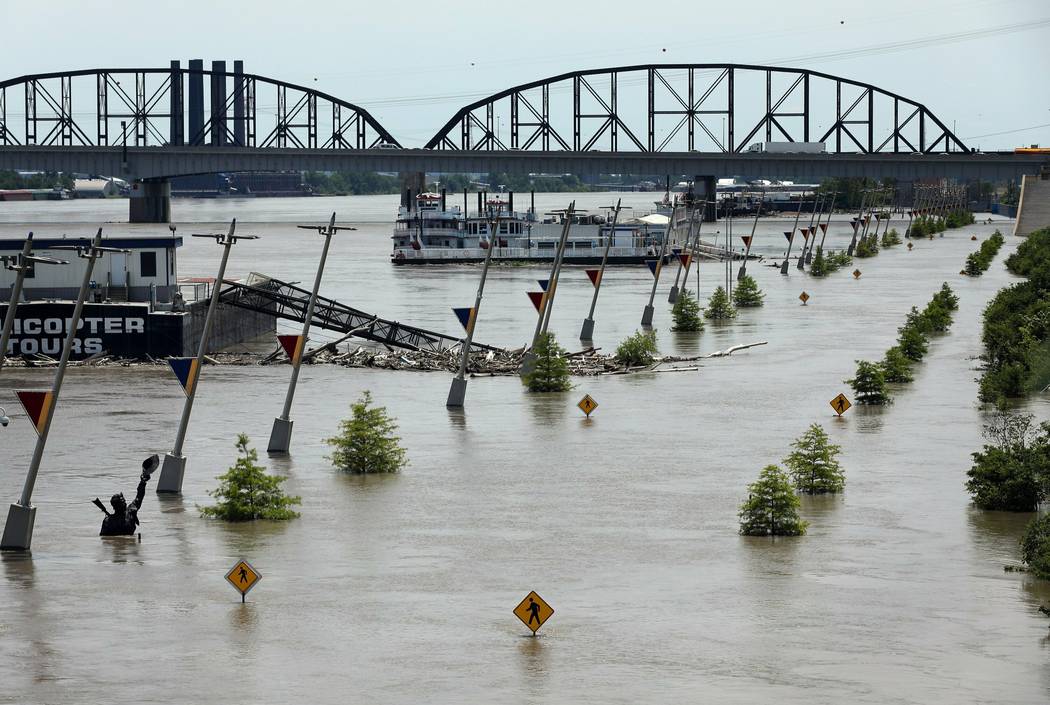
[[982, 64]]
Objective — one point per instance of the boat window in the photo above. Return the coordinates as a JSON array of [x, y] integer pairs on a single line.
[[545, 245], [148, 264]]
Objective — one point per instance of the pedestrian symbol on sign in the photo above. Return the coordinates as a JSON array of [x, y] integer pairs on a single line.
[[840, 404], [533, 611]]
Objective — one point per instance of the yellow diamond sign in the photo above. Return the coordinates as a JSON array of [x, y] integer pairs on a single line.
[[840, 404], [243, 577], [587, 404], [803, 297], [533, 611], [856, 274]]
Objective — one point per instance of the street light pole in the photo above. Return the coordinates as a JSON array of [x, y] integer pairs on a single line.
[[174, 467], [18, 532], [281, 433]]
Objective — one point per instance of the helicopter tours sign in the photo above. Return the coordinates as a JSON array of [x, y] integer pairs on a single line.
[[40, 328]]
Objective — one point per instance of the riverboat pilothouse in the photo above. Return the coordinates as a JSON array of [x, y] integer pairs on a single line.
[[430, 232]]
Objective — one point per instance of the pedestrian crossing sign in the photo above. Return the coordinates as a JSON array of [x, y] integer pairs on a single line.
[[840, 404], [587, 404], [533, 611], [243, 577]]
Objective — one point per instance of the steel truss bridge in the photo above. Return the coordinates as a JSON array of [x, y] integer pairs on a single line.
[[153, 123]]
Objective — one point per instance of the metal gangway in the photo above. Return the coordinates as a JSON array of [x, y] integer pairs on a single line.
[[264, 294]]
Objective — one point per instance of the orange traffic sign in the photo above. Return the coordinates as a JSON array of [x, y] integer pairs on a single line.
[[587, 405], [533, 611], [243, 577], [840, 404], [803, 297]]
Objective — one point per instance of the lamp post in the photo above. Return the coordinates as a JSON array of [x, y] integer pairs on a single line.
[[18, 531], [587, 331], [281, 433], [174, 467]]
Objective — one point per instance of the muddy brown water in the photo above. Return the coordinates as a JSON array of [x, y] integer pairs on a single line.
[[400, 588]]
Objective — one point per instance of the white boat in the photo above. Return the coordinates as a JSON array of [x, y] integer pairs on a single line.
[[433, 233]]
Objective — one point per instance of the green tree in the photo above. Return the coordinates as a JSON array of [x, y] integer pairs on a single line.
[[550, 373], [772, 506], [637, 350], [866, 247], [869, 383], [938, 319], [686, 313], [890, 238], [947, 298], [820, 266], [367, 441], [247, 493], [747, 294], [814, 465], [719, 307], [1035, 547], [897, 367], [1012, 472], [912, 342]]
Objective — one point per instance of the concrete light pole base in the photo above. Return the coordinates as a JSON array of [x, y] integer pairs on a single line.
[[672, 297], [280, 436], [784, 267], [647, 316], [457, 393], [741, 272], [528, 364], [587, 332], [18, 532], [171, 473]]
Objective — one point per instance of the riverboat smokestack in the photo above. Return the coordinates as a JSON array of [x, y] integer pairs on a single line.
[[443, 197], [510, 202]]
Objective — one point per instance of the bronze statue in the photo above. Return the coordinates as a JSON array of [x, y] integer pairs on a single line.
[[124, 518]]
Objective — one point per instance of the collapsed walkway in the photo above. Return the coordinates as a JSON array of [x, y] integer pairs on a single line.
[[265, 294]]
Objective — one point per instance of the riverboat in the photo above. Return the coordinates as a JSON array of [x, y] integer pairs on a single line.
[[431, 232]]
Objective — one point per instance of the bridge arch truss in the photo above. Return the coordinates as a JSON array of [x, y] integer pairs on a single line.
[[695, 107], [178, 106]]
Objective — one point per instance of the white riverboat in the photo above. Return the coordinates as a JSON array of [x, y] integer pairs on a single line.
[[431, 232]]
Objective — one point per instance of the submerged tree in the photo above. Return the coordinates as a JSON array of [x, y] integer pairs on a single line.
[[1035, 547], [686, 313], [947, 298], [912, 342], [367, 441], [869, 383], [550, 373], [897, 367], [1012, 472], [637, 350], [820, 266], [814, 464], [747, 294], [772, 506], [719, 307], [890, 238], [247, 493]]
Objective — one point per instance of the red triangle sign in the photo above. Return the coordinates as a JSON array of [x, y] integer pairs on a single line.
[[747, 240], [536, 297], [823, 227], [292, 345], [685, 259], [595, 275], [37, 405]]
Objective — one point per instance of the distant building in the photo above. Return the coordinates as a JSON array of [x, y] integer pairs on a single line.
[[96, 188]]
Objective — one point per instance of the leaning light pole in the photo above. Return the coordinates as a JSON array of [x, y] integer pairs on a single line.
[[20, 264], [457, 393], [791, 236], [587, 332], [281, 433], [174, 467], [647, 312], [18, 531], [528, 361]]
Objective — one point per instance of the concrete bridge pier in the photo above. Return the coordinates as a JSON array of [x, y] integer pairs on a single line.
[[413, 183], [705, 189], [150, 201]]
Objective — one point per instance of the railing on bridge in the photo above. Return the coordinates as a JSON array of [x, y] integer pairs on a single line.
[[170, 106], [694, 107]]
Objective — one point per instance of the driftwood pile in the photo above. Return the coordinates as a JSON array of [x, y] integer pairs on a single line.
[[491, 363]]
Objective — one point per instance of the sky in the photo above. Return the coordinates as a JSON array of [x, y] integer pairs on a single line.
[[980, 65]]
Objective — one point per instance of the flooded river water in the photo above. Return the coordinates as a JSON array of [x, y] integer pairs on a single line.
[[400, 588]]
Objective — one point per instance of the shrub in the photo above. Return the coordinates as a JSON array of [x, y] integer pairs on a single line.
[[1032, 257], [820, 266], [1012, 473], [896, 366], [936, 317], [866, 247], [772, 506], [869, 383], [247, 493], [747, 294], [891, 238], [1035, 547], [367, 442], [637, 350], [840, 259], [912, 343], [977, 263], [719, 307], [814, 464], [686, 313], [947, 298]]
